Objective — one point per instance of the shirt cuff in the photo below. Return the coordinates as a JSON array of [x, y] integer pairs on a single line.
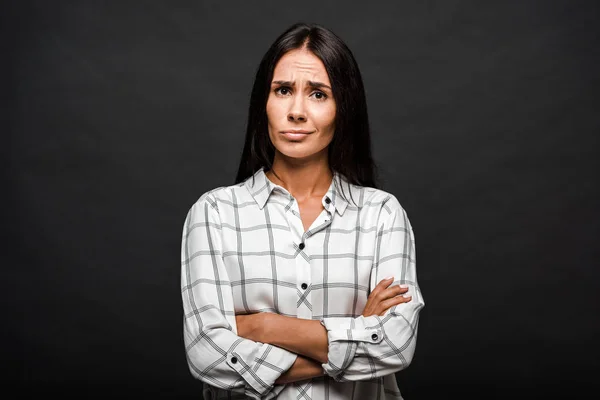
[[261, 371], [344, 334]]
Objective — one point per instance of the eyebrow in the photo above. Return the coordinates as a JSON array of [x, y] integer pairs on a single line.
[[316, 85]]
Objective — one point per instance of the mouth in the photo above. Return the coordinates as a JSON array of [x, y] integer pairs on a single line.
[[295, 134]]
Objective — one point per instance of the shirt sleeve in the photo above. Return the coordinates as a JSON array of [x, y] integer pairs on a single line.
[[216, 355], [368, 347]]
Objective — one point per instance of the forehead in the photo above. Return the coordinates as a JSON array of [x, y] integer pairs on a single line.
[[300, 62]]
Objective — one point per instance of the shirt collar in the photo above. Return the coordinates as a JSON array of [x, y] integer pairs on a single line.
[[261, 188]]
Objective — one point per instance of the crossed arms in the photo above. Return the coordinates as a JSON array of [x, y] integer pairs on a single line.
[[257, 354], [308, 338]]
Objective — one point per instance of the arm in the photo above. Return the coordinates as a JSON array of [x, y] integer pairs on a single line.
[[371, 346], [297, 335], [301, 336], [216, 354], [309, 337], [303, 368]]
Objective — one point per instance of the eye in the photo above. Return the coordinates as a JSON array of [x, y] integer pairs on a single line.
[[320, 95], [282, 90]]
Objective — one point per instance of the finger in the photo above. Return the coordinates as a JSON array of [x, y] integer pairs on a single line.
[[385, 305], [382, 285], [393, 302], [392, 291]]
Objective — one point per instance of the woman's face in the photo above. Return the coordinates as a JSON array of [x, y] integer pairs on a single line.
[[301, 101]]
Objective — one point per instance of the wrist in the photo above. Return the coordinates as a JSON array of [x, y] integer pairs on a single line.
[[303, 368]]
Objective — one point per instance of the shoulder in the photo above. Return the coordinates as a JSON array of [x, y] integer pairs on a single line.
[[222, 194], [386, 201], [388, 209]]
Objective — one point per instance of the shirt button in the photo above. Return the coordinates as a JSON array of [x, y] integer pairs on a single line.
[[374, 336], [301, 245], [327, 200], [234, 360], [304, 286]]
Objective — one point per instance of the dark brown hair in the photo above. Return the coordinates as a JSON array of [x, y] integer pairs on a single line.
[[349, 152]]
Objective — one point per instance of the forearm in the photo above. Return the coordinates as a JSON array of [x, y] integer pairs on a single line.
[[303, 368], [300, 336]]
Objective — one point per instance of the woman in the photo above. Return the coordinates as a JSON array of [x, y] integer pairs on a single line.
[[299, 281]]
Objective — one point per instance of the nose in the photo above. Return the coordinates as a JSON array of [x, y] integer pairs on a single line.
[[297, 112]]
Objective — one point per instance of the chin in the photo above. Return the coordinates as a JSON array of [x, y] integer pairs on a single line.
[[297, 150], [296, 154]]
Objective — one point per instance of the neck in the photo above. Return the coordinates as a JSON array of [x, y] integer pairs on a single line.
[[302, 181]]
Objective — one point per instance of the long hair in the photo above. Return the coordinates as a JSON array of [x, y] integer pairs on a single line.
[[349, 152]]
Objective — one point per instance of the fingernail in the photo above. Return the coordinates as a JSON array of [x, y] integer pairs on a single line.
[[403, 286], [406, 296], [388, 278]]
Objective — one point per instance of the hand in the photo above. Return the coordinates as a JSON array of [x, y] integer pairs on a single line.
[[251, 326], [383, 297]]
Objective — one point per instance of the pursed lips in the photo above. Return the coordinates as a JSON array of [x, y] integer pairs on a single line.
[[296, 134], [297, 131]]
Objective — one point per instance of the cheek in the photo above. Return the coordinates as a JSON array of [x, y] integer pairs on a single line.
[[269, 110], [325, 116], [274, 111]]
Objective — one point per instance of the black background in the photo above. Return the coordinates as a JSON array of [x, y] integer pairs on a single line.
[[118, 115]]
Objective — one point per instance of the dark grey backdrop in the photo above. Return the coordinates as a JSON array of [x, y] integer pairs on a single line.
[[118, 115]]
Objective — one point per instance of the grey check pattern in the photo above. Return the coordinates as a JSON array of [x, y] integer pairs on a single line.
[[244, 250]]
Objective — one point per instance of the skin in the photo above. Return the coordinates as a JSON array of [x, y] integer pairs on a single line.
[[303, 170], [295, 103]]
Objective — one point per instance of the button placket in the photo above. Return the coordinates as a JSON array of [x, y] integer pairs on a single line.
[[303, 269], [303, 282]]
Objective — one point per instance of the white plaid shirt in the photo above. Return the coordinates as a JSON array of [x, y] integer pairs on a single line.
[[244, 250]]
